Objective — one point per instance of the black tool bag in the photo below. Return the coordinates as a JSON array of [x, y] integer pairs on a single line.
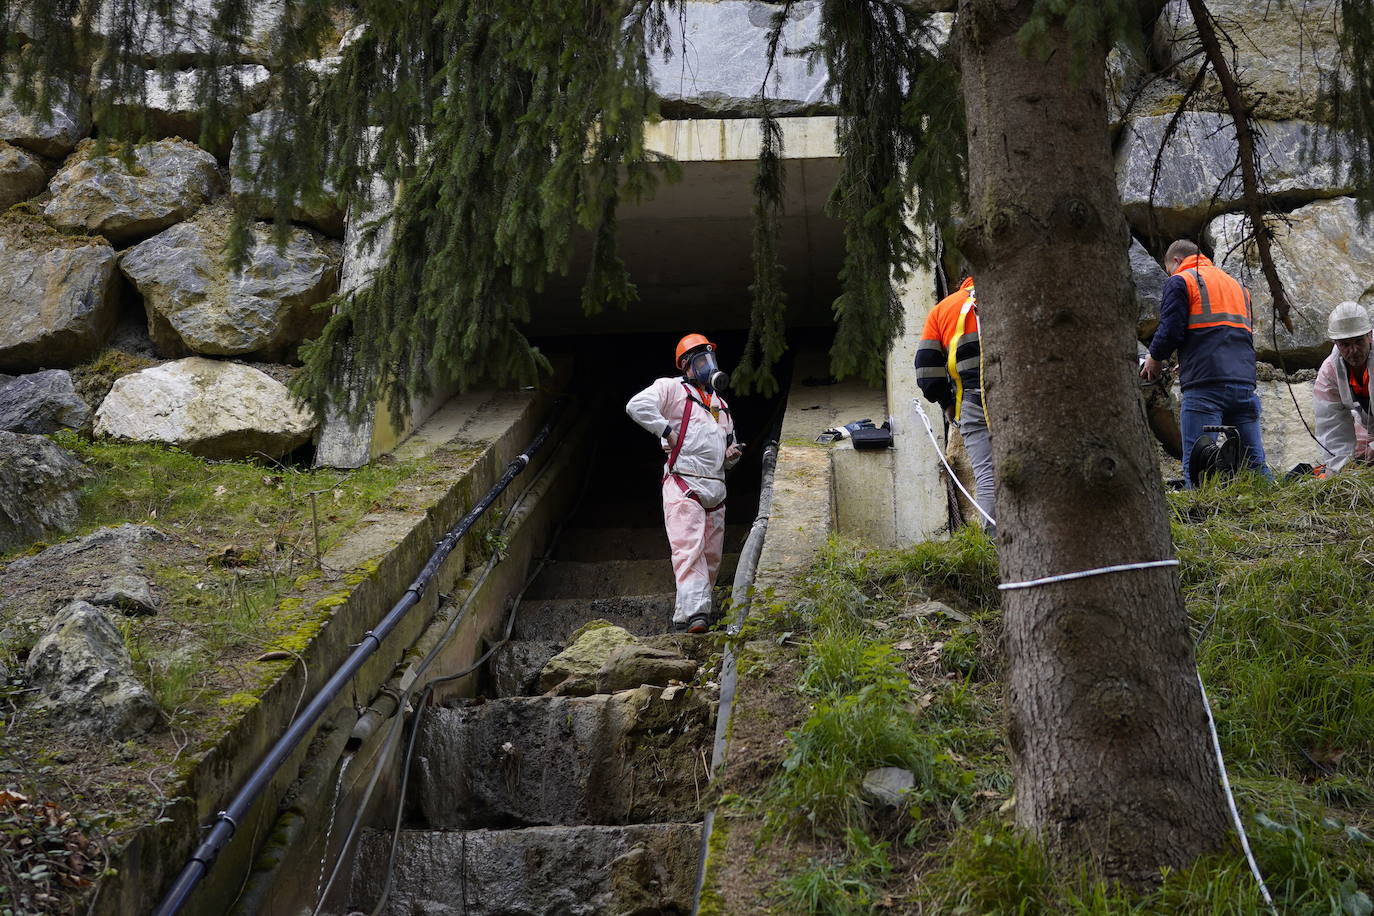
[[872, 437]]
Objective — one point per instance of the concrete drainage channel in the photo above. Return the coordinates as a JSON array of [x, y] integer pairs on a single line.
[[520, 799]]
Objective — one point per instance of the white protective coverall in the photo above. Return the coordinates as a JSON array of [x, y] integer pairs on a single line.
[[1343, 426], [695, 520]]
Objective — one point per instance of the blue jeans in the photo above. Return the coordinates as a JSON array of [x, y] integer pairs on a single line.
[[1223, 404]]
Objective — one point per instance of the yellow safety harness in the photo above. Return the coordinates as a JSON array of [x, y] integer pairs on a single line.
[[952, 364]]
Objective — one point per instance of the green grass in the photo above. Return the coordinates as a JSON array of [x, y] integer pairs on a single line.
[[250, 531], [1284, 574]]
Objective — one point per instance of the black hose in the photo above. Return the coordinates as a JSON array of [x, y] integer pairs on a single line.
[[227, 821]]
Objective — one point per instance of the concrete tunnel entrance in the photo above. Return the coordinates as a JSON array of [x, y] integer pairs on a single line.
[[601, 784]]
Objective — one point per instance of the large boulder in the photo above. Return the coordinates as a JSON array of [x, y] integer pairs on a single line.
[[1147, 277], [606, 659], [169, 105], [126, 200], [1198, 178], [40, 487], [1323, 257], [58, 298], [1286, 414], [715, 68], [197, 304], [55, 131], [21, 175], [82, 672], [42, 402], [207, 407], [1283, 51], [185, 33], [108, 568], [247, 184]]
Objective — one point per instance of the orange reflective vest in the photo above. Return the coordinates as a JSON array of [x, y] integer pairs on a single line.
[[1215, 299]]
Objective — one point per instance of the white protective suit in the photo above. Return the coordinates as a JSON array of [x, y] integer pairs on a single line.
[[1343, 426], [693, 487]]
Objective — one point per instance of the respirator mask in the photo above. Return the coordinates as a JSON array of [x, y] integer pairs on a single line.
[[701, 367]]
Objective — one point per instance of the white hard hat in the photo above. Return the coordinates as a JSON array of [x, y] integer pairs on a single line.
[[1349, 319]]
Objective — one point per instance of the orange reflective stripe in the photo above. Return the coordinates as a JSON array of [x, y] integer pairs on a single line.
[[1216, 306]]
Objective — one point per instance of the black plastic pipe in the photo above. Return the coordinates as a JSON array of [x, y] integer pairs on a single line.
[[227, 821]]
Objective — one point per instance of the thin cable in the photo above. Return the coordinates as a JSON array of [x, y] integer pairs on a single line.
[[1231, 798], [1085, 574], [391, 735], [930, 431]]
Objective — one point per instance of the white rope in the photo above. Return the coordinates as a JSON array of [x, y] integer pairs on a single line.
[[1086, 573], [1122, 567], [1231, 799], [930, 430]]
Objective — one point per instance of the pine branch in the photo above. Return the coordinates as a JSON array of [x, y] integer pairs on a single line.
[[1248, 157]]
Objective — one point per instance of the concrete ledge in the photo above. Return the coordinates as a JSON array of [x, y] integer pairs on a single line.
[[496, 429]]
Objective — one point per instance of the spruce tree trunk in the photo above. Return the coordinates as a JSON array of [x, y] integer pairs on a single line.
[[1107, 729]]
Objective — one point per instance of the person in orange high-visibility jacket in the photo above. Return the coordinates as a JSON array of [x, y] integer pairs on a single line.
[[1206, 316], [949, 372]]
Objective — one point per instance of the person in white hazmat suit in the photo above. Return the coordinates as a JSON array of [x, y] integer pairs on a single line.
[[1341, 392], [693, 421]]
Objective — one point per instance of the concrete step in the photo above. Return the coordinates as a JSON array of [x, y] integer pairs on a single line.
[[556, 619], [628, 757], [568, 871], [606, 579], [594, 544]]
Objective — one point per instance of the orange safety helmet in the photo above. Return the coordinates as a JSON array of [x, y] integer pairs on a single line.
[[688, 343]]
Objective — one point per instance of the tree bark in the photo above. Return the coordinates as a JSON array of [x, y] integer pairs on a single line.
[[1107, 729]]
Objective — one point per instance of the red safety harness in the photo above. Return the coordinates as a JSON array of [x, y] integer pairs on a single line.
[[677, 449]]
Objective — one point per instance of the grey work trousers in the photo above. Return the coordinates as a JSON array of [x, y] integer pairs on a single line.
[[973, 426]]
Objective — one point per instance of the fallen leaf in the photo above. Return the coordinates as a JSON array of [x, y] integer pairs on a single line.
[[905, 645], [220, 491]]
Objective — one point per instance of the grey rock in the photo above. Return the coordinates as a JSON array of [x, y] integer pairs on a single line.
[[584, 658], [165, 183], [209, 408], [889, 786], [108, 568], [569, 871], [58, 297], [182, 33], [1283, 51], [42, 402], [40, 487], [84, 675], [561, 760], [1148, 279], [21, 175], [53, 132], [196, 304], [715, 67], [515, 668], [168, 103], [321, 211], [1286, 413], [1196, 180], [1323, 256]]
